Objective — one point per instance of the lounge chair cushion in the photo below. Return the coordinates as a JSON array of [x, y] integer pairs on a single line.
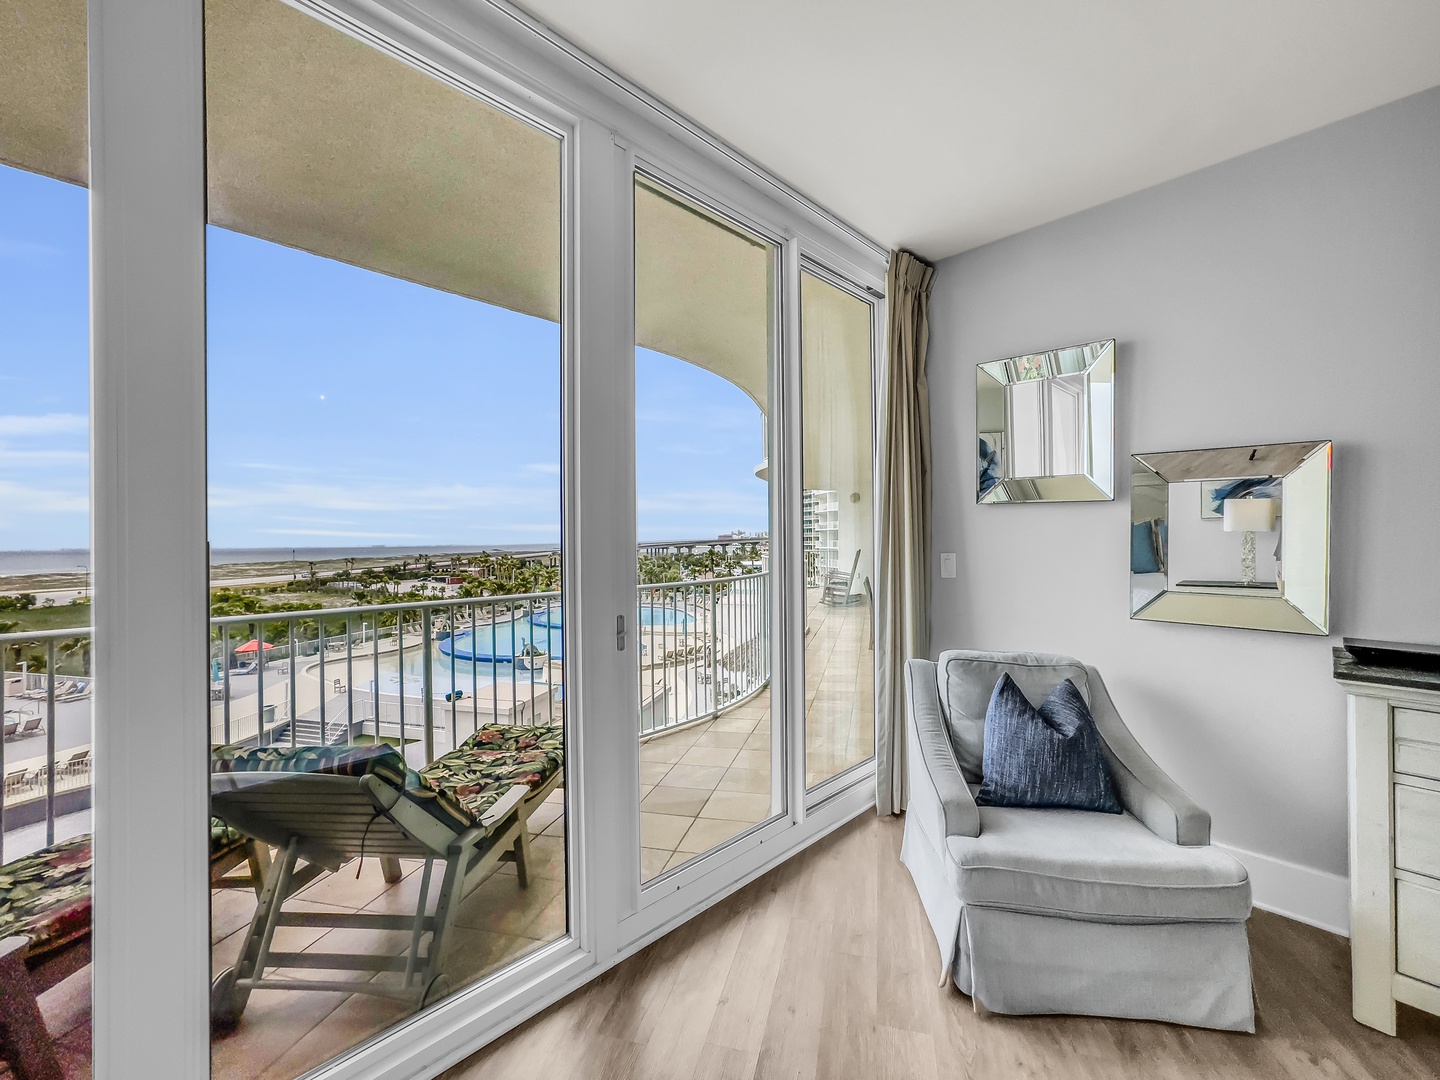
[[45, 897], [494, 759], [381, 761]]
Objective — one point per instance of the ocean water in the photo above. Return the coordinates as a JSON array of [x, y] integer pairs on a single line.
[[43, 562], [55, 562]]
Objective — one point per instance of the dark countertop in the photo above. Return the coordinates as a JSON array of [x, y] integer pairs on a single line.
[[1351, 670]]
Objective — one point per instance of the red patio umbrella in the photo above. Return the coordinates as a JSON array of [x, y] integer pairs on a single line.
[[252, 646]]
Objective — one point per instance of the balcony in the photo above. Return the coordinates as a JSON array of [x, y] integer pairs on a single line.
[[384, 671]]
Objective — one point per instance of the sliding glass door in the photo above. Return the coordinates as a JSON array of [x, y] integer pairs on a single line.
[[838, 525], [704, 313]]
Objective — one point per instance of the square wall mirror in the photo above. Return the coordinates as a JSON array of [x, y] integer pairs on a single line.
[[1046, 426], [1238, 536]]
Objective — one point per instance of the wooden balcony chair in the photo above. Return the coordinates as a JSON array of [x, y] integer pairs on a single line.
[[840, 587], [322, 807]]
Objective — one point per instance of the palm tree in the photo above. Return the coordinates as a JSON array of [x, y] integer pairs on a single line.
[[74, 647], [7, 627]]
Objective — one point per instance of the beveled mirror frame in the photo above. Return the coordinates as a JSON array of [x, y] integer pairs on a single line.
[[1298, 602], [1081, 378]]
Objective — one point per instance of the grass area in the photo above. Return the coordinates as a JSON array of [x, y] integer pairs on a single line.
[[59, 617]]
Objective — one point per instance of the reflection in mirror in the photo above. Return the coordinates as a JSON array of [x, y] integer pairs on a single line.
[[1233, 537], [1046, 426]]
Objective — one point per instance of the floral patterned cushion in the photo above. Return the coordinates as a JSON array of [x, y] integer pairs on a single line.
[[223, 838], [493, 760], [46, 897], [382, 761]]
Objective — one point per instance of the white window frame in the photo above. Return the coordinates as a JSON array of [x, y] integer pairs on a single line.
[[151, 947]]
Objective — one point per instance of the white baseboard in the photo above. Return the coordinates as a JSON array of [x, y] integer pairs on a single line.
[[1297, 892]]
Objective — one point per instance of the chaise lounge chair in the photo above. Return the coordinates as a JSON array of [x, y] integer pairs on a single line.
[[79, 692], [326, 806], [40, 693]]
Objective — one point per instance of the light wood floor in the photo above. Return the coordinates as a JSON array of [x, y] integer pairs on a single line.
[[825, 969]]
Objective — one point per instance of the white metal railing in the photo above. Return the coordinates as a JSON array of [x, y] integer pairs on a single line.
[[704, 647], [425, 674], [30, 702], [410, 671]]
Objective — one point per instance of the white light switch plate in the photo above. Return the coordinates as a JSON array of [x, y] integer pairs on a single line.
[[947, 564]]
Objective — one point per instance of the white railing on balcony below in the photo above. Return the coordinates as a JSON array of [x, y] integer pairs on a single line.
[[45, 751]]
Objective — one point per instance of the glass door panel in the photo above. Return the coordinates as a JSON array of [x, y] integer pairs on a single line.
[[46, 688], [705, 299], [387, 639], [838, 528]]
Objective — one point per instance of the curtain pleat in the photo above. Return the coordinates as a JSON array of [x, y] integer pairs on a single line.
[[902, 594]]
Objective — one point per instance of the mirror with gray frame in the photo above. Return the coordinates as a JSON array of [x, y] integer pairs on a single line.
[[1045, 426], [1238, 536]]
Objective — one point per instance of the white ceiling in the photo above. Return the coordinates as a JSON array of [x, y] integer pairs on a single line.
[[939, 125]]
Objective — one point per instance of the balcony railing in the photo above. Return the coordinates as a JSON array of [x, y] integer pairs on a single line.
[[43, 783], [704, 647], [423, 675]]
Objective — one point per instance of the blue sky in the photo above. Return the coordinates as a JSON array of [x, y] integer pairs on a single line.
[[44, 373], [345, 408]]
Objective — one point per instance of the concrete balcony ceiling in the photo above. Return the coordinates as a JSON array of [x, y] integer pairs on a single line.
[[322, 143]]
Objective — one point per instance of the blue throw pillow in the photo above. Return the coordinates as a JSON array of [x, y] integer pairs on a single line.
[[1045, 757], [1143, 559]]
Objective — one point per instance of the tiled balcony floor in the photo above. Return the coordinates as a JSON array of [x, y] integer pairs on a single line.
[[839, 689], [704, 784]]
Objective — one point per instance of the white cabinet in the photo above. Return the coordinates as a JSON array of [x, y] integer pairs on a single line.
[[1394, 738]]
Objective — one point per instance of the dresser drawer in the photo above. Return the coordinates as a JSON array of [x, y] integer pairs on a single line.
[[1417, 931], [1417, 743], [1417, 830]]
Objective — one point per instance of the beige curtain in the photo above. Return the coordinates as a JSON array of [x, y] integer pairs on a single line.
[[902, 597]]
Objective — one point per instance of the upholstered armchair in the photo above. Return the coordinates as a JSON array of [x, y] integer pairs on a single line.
[[1063, 911]]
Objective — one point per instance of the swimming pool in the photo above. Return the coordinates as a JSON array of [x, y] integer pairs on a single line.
[[500, 643]]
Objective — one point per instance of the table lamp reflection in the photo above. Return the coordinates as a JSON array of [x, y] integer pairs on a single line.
[[1249, 516]]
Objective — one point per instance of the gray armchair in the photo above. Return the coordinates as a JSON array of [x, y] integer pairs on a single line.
[[1062, 911]]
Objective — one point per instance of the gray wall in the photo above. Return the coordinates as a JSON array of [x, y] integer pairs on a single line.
[[1293, 293]]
